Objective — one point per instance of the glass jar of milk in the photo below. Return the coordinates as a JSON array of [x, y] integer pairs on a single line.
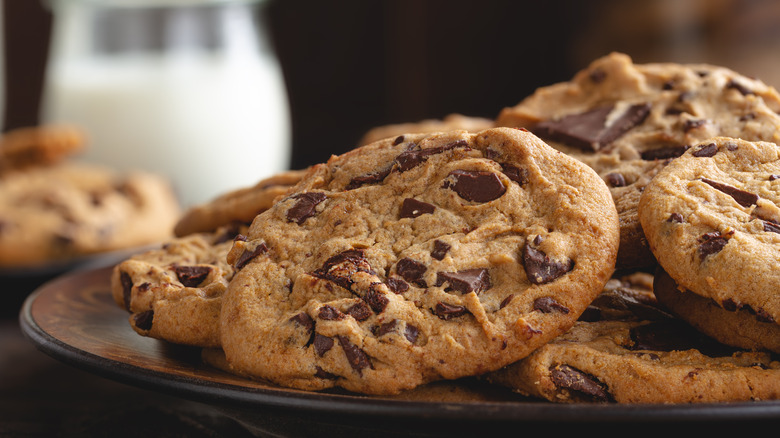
[[189, 89]]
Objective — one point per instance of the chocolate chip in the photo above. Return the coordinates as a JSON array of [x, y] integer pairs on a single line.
[[448, 311], [304, 208], [616, 179], [340, 267], [773, 177], [304, 320], [127, 288], [322, 374], [410, 332], [540, 269], [385, 328], [412, 208], [597, 75], [247, 256], [398, 140], [468, 280], [370, 179], [569, 378], [706, 150], [664, 152], [515, 173], [771, 227], [414, 157], [356, 357], [505, 302], [191, 276], [397, 285], [330, 313], [588, 130], [743, 198], [734, 85], [549, 305], [675, 217], [376, 300], [711, 243], [690, 125], [411, 271], [360, 311], [440, 249], [476, 186], [322, 344], [144, 320]]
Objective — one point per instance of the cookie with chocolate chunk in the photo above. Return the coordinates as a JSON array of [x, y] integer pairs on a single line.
[[641, 361], [37, 146], [627, 121], [236, 206], [450, 122], [738, 327], [64, 211], [418, 258], [174, 293], [712, 219]]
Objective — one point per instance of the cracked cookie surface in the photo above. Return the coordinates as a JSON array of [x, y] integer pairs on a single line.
[[418, 258]]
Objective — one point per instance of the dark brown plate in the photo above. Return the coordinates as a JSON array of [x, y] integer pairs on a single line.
[[74, 319]]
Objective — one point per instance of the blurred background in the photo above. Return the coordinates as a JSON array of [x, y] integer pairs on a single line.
[[351, 65]]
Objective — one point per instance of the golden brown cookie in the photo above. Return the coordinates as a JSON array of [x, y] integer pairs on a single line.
[[450, 122], [418, 258], [23, 148]]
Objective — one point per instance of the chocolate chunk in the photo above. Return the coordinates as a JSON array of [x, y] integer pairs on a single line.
[[440, 249], [711, 243], [675, 217], [515, 173], [322, 374], [468, 280], [247, 256], [414, 157], [615, 179], [397, 285], [690, 125], [330, 313], [448, 311], [664, 152], [597, 75], [376, 300], [734, 85], [567, 377], [411, 271], [304, 320], [356, 357], [505, 302], [771, 227], [191, 276], [322, 344], [304, 208], [707, 150], [540, 269], [340, 267], [127, 288], [476, 186], [360, 311], [385, 328], [398, 140], [743, 198], [370, 179], [588, 130], [773, 177], [411, 208], [144, 320], [411, 332], [549, 305]]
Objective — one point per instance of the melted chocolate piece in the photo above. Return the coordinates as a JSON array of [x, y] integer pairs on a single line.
[[330, 313], [247, 256], [549, 305], [540, 269], [304, 208], [127, 288], [356, 357], [734, 85], [412, 208], [616, 179], [707, 150], [322, 344], [304, 320], [771, 227], [690, 125], [144, 320], [370, 179], [583, 384], [414, 157], [469, 280], [411, 271], [664, 152], [397, 285], [588, 130], [360, 311], [515, 173], [711, 243], [675, 217], [411, 332], [191, 276], [322, 374], [376, 300], [476, 186], [448, 311], [340, 267], [440, 249], [743, 198]]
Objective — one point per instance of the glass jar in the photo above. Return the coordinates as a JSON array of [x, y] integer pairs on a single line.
[[190, 89]]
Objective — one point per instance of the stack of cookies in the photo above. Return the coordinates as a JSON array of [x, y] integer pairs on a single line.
[[54, 210], [609, 239]]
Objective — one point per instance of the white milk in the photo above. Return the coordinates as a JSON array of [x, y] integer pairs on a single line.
[[208, 121]]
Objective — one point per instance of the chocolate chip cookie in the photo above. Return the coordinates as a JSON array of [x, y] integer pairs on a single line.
[[628, 120], [418, 258], [236, 206], [60, 212], [712, 219], [35, 146], [174, 293], [449, 122]]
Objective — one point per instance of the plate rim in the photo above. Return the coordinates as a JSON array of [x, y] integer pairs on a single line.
[[226, 395]]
